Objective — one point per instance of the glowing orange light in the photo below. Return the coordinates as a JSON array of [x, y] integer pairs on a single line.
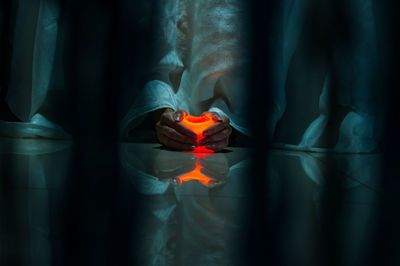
[[198, 124], [197, 175]]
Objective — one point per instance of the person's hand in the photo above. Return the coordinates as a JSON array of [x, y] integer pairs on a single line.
[[174, 135], [217, 136], [215, 166], [167, 167]]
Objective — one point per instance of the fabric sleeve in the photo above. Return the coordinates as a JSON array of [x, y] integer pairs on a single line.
[[156, 94]]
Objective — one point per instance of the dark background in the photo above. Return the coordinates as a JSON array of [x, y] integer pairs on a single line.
[[107, 52]]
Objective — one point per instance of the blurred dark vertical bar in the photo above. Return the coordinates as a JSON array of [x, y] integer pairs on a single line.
[[387, 239], [92, 82], [332, 29], [10, 233], [5, 18], [263, 232], [5, 50], [135, 48]]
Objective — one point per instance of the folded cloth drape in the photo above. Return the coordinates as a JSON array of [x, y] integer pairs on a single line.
[[204, 68]]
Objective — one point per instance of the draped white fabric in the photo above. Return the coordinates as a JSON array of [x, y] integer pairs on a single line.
[[33, 54], [34, 43], [205, 50], [348, 75]]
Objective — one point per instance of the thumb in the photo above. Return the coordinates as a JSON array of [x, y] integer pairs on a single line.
[[178, 115]]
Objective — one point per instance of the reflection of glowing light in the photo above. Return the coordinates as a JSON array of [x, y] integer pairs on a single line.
[[197, 175], [198, 124], [201, 154]]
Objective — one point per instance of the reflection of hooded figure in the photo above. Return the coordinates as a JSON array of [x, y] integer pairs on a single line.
[[190, 223], [32, 206], [306, 179], [202, 62]]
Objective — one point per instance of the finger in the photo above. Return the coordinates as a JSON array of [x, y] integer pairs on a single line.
[[215, 115], [214, 159], [217, 127], [216, 176], [174, 173], [175, 135], [178, 115], [172, 144], [168, 119], [223, 134], [216, 168], [217, 146]]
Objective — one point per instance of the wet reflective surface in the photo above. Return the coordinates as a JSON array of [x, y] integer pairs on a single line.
[[179, 208], [187, 220], [34, 175]]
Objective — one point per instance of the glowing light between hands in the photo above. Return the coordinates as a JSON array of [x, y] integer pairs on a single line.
[[198, 124]]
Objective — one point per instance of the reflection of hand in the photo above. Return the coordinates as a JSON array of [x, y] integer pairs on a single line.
[[215, 166], [217, 136], [173, 134], [168, 166]]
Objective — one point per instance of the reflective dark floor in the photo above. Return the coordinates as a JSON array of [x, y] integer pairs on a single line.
[[178, 208]]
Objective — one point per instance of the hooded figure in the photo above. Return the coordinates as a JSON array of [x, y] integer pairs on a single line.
[[324, 59], [33, 36], [328, 84], [203, 63]]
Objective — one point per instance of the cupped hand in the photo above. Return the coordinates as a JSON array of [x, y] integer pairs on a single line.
[[174, 135], [217, 136], [167, 167], [215, 166]]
